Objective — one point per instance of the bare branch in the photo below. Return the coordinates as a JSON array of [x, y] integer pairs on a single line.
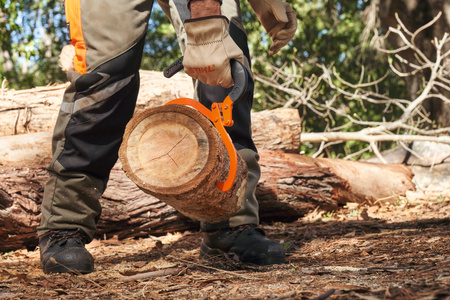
[[422, 28], [402, 25], [319, 137], [411, 121], [374, 147]]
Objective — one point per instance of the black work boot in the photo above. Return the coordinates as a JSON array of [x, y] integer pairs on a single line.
[[63, 251], [247, 243]]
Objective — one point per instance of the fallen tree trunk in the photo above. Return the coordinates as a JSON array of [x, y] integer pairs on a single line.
[[36, 110], [26, 150], [277, 129], [127, 211], [291, 185], [32, 110]]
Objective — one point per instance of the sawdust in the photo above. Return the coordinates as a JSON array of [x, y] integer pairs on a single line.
[[399, 251]]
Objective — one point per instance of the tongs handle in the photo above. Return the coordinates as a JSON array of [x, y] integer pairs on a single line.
[[174, 68], [240, 77], [238, 72]]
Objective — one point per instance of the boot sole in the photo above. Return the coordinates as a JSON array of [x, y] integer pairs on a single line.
[[53, 266], [67, 269], [208, 253]]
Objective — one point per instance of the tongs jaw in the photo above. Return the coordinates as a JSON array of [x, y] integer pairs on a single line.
[[221, 113]]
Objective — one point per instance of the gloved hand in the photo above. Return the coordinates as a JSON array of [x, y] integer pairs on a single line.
[[209, 50], [279, 20]]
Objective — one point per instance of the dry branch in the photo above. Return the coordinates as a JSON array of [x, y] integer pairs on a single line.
[[152, 274], [413, 123]]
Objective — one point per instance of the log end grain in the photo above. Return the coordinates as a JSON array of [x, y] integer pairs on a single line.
[[175, 153], [166, 149]]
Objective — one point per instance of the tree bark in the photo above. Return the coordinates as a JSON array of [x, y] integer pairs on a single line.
[[291, 185], [174, 153], [36, 110], [127, 211], [414, 14], [34, 149], [26, 150]]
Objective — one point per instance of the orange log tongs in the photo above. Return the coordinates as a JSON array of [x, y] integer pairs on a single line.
[[220, 113]]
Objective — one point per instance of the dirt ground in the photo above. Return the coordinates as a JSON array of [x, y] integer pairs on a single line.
[[397, 251]]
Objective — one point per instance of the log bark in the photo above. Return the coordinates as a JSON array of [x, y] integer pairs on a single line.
[[36, 110], [127, 211], [26, 150], [174, 153], [291, 185], [278, 129], [33, 110]]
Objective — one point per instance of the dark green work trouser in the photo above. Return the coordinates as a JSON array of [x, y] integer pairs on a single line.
[[108, 36]]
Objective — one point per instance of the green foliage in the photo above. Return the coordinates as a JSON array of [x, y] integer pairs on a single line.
[[161, 47], [32, 34], [328, 215], [31, 37], [329, 34]]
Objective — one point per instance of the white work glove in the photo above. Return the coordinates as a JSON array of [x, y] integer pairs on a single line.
[[209, 50], [279, 20]]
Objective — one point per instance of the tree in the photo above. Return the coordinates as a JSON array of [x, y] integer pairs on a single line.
[[31, 36], [414, 15], [330, 34], [403, 120], [161, 45]]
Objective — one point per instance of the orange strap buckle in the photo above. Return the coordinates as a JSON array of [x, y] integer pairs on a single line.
[[221, 115]]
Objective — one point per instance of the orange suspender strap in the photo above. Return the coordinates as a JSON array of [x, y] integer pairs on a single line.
[[73, 19]]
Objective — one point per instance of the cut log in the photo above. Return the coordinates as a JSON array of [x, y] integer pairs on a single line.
[[26, 150], [291, 185], [278, 129], [36, 110], [174, 153]]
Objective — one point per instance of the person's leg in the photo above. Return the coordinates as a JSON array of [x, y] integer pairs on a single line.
[[229, 236], [108, 37]]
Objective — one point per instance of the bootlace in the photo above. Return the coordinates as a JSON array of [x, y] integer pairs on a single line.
[[236, 231], [239, 229], [61, 236], [244, 227]]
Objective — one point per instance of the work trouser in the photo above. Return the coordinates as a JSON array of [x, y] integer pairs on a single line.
[[109, 37]]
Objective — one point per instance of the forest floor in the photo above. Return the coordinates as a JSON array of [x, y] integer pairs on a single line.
[[397, 251]]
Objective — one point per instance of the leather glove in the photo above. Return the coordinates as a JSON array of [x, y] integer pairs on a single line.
[[209, 50], [279, 20]]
